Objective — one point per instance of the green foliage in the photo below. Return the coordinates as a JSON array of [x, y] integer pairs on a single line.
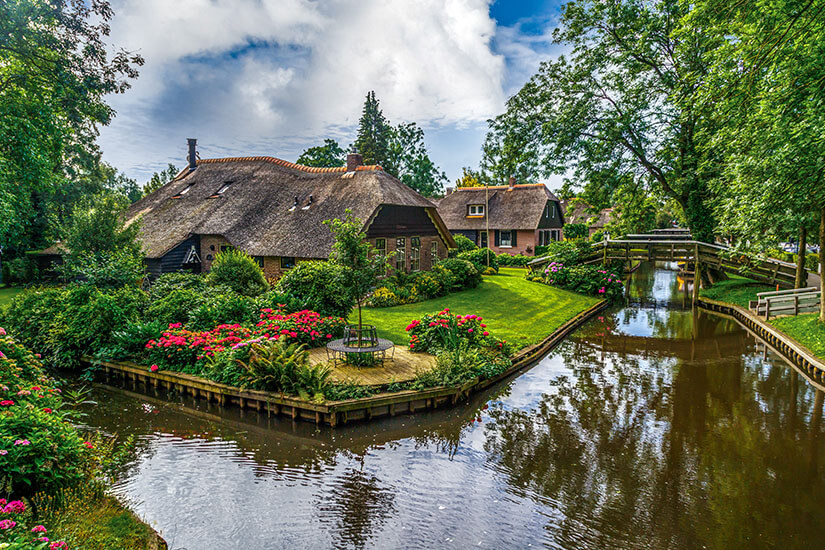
[[130, 340], [168, 282], [568, 253], [469, 178], [275, 366], [635, 211], [465, 274], [175, 306], [463, 244], [481, 258], [514, 260], [319, 286], [237, 270], [597, 236], [735, 290], [159, 179], [575, 231], [329, 155], [275, 299], [101, 250], [341, 392], [19, 270], [806, 329], [585, 279], [222, 308]]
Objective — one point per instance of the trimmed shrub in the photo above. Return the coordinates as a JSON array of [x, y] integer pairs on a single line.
[[276, 299], [479, 258], [427, 286], [510, 260], [597, 236], [465, 273], [463, 244], [584, 279], [319, 286], [237, 270], [568, 253], [812, 262], [383, 297]]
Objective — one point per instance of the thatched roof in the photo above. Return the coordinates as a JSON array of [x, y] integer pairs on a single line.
[[255, 212], [604, 218], [517, 207]]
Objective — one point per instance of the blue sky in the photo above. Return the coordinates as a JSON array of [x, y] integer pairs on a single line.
[[272, 77]]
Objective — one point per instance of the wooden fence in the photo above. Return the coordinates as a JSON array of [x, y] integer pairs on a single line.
[[786, 302]]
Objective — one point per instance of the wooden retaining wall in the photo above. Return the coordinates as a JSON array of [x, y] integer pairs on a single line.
[[336, 413], [786, 346]]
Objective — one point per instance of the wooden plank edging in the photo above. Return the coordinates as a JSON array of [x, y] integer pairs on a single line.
[[792, 350]]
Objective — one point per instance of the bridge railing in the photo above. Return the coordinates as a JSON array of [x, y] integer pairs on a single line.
[[714, 256]]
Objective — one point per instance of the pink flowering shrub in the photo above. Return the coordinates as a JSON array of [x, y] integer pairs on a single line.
[[40, 450], [446, 330], [15, 534], [584, 279]]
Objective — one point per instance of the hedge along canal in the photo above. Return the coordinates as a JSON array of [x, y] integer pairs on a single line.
[[650, 426]]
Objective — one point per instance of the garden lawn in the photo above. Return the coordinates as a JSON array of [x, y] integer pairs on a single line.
[[513, 309], [805, 329], [735, 290], [7, 293]]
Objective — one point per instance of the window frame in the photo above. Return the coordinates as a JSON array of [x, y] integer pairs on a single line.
[[285, 264], [479, 213], [509, 233], [381, 247], [259, 260], [415, 253], [401, 254], [433, 252]]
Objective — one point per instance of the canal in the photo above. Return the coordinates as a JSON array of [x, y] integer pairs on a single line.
[[653, 426]]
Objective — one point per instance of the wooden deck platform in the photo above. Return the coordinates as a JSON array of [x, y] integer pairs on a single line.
[[404, 366]]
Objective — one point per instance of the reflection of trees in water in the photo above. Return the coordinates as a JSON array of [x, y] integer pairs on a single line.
[[359, 505], [719, 455]]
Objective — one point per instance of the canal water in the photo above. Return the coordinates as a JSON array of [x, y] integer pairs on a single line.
[[653, 426]]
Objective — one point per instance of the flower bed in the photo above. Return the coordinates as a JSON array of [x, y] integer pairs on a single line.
[[450, 275], [585, 279]]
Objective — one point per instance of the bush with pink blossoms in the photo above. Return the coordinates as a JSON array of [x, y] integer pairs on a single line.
[[446, 330], [15, 533]]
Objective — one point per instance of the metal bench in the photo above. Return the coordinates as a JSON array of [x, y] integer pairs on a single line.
[[359, 343]]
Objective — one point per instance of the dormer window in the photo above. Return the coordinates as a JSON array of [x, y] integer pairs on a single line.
[[223, 188], [184, 191], [475, 211], [549, 210]]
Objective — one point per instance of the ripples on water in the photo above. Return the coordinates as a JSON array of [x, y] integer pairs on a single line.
[[651, 427]]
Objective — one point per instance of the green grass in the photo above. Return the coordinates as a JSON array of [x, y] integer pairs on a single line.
[[736, 290], [805, 329], [513, 309], [7, 293]]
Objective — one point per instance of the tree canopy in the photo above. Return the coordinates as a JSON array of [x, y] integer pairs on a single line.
[[328, 155]]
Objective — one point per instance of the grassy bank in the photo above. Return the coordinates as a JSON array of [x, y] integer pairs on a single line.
[[805, 329], [736, 290], [513, 308]]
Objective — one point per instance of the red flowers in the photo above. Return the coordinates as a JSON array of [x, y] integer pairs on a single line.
[[153, 368], [47, 410], [6, 403]]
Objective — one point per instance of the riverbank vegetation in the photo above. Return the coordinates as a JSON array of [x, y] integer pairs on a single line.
[[54, 479], [805, 329], [735, 290]]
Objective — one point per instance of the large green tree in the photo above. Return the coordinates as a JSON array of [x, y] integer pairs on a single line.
[[329, 155], [55, 71], [622, 100]]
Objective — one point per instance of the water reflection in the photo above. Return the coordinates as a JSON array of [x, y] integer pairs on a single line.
[[652, 427]]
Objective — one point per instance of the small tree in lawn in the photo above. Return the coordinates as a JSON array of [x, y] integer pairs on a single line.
[[351, 250]]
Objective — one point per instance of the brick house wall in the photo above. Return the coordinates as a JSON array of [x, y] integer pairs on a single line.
[[210, 247], [426, 250]]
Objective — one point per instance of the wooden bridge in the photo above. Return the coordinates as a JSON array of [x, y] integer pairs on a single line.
[[679, 247]]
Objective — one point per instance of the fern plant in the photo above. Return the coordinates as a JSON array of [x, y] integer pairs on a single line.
[[276, 366]]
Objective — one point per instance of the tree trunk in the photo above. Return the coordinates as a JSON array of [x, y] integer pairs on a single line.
[[801, 275], [822, 264]]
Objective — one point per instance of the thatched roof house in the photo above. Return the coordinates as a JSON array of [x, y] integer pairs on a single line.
[[519, 217], [274, 210]]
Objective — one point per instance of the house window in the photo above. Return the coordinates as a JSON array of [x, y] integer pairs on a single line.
[[415, 254], [287, 262], [546, 236], [381, 247], [483, 242], [433, 252], [475, 210], [505, 239], [259, 260], [400, 254], [549, 210], [225, 247], [224, 187]]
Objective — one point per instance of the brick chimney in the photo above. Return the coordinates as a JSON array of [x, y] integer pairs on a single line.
[[193, 153], [354, 160], [449, 191], [512, 181]]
